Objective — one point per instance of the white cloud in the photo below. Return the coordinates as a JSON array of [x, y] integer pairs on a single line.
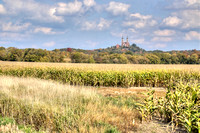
[[92, 25], [138, 15], [157, 46], [31, 10], [103, 24], [69, 8], [139, 21], [160, 45], [191, 2], [164, 32], [49, 44], [14, 27], [172, 21], [89, 25], [89, 3], [13, 36], [139, 41], [23, 6], [132, 30], [116, 34], [185, 16], [52, 12], [161, 39], [184, 19], [192, 35], [191, 18], [117, 8], [44, 30], [185, 4], [136, 24], [2, 9]]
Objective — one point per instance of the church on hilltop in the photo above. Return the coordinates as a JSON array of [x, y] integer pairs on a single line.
[[124, 44]]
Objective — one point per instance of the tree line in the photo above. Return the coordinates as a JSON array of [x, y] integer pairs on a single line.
[[30, 55], [146, 58], [89, 56]]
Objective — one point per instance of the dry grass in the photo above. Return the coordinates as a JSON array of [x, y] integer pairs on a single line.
[[9, 128], [103, 67], [26, 99]]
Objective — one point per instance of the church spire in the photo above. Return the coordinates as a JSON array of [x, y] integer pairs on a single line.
[[122, 41]]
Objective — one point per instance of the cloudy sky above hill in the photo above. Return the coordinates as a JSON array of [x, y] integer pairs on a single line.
[[90, 24]]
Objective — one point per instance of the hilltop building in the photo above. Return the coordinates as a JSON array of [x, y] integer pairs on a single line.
[[117, 46], [125, 44]]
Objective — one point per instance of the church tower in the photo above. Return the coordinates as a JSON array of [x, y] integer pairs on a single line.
[[122, 41]]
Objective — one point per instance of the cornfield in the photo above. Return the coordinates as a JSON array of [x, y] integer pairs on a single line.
[[103, 67], [138, 78]]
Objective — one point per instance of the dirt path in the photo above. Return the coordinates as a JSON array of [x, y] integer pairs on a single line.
[[137, 91]]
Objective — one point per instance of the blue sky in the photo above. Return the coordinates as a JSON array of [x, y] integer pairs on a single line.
[[90, 24]]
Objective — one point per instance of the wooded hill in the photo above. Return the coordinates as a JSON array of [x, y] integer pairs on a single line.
[[133, 49], [113, 55]]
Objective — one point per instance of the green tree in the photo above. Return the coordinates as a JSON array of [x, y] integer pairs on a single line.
[[91, 59], [31, 58], [44, 59], [14, 54], [3, 54], [123, 59], [182, 58], [79, 57], [153, 59], [174, 59], [143, 60], [56, 56], [2, 48], [165, 58], [193, 59]]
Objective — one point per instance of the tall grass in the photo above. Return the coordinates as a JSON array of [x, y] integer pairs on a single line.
[[53, 107]]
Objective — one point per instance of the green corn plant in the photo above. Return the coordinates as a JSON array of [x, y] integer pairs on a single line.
[[180, 106], [144, 78], [148, 108]]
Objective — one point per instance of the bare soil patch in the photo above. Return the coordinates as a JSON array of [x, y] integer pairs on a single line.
[[137, 91]]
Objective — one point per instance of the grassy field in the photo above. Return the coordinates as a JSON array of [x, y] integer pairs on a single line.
[[50, 106], [64, 97]]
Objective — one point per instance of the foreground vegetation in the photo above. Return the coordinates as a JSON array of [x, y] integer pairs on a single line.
[[49, 106], [9, 125], [180, 106]]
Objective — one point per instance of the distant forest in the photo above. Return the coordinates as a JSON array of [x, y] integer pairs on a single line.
[[111, 55]]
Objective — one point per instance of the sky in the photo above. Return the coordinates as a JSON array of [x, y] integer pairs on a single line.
[[91, 24]]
